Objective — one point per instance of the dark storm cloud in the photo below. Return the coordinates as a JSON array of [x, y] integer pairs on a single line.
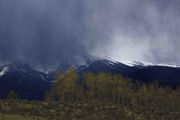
[[41, 31], [48, 31]]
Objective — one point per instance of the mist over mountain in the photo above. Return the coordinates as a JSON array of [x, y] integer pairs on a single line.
[[45, 33]]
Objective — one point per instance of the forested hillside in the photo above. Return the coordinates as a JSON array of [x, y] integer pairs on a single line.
[[96, 96]]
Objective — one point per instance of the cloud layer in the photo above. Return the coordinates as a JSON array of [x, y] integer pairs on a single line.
[[46, 32], [140, 30]]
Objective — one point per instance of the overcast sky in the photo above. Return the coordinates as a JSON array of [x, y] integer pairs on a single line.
[[48, 31]]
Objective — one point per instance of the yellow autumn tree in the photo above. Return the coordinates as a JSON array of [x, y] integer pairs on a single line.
[[66, 88]]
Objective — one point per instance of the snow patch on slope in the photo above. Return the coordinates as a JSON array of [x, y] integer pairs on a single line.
[[137, 63]]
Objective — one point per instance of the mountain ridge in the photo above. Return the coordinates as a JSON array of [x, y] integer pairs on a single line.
[[32, 84]]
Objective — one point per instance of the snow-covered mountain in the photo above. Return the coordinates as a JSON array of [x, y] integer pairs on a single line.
[[32, 84], [145, 72], [164, 74], [20, 77]]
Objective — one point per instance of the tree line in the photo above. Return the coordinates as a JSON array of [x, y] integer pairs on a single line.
[[108, 88], [99, 96]]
